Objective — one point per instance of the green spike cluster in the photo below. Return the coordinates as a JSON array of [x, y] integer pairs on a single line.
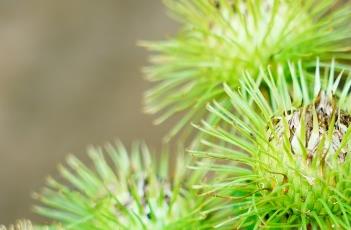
[[288, 155], [220, 39], [273, 150], [130, 192]]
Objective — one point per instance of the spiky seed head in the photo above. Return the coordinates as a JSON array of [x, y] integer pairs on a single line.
[[315, 134], [20, 225], [221, 39], [287, 154], [128, 191]]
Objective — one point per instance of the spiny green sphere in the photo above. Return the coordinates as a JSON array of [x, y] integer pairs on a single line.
[[128, 191], [316, 163], [286, 153], [220, 39]]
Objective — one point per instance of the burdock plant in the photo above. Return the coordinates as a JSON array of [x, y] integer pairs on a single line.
[[287, 152], [219, 39], [276, 140]]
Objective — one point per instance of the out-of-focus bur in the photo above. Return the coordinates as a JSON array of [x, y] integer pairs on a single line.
[[130, 190], [220, 40], [20, 225]]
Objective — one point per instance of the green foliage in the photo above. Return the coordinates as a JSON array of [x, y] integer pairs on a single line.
[[286, 152], [220, 39], [130, 192]]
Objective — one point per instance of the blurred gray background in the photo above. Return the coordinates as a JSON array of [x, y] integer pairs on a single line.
[[70, 76]]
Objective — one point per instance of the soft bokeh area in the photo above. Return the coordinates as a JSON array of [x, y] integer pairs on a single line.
[[70, 77]]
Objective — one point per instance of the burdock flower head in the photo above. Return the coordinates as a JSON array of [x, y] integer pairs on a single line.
[[222, 38], [128, 191], [288, 153]]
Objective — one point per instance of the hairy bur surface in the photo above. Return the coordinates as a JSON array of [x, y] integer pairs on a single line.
[[286, 152], [318, 117], [310, 168]]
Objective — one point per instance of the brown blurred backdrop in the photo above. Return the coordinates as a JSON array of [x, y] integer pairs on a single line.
[[70, 77]]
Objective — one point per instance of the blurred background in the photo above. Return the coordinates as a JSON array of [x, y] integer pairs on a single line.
[[70, 76]]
